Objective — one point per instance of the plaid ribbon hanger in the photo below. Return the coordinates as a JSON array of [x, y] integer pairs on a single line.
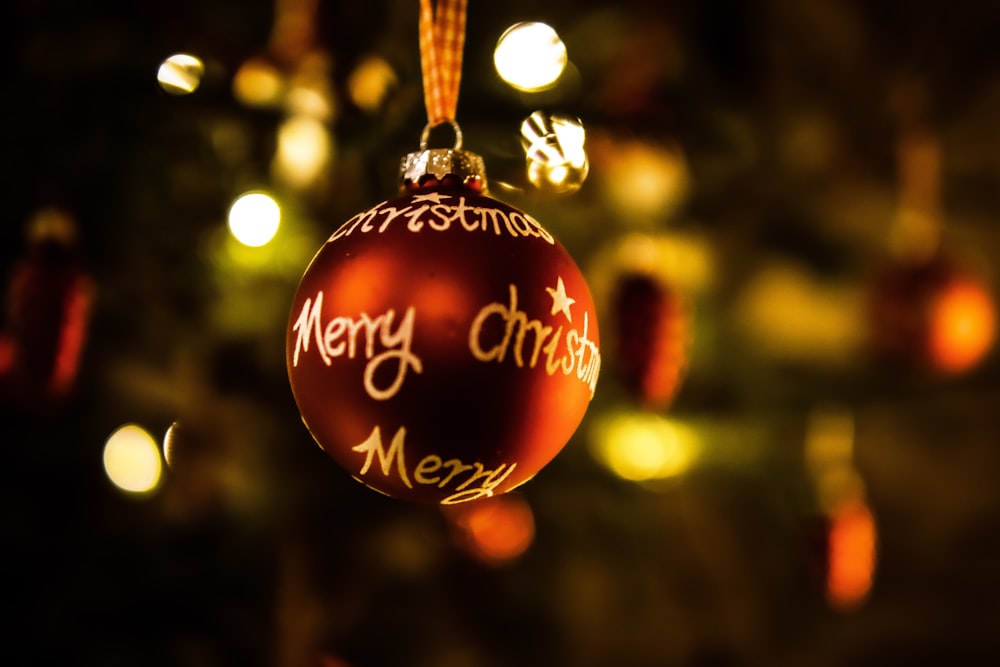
[[442, 38]]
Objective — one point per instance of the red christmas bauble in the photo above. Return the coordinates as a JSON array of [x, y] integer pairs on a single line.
[[442, 346], [650, 327]]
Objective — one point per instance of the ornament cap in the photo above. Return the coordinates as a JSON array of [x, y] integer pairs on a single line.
[[443, 166]]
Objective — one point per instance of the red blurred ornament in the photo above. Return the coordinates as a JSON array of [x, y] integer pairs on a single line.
[[650, 326], [48, 311], [442, 346], [932, 315]]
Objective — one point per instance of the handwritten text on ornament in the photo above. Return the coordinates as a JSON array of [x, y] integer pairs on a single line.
[[530, 342], [468, 481], [441, 212], [340, 337]]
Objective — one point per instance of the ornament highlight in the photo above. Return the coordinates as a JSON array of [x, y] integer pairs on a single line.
[[442, 346]]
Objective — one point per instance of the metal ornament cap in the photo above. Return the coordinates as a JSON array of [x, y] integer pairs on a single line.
[[443, 166]]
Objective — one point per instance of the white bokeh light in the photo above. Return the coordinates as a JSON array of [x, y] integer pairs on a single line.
[[132, 459], [530, 56], [180, 74], [254, 218]]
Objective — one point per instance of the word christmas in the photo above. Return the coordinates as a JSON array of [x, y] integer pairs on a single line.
[[569, 353], [440, 212]]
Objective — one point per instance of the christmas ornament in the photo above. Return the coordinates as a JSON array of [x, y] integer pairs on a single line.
[[442, 346], [650, 352], [48, 311]]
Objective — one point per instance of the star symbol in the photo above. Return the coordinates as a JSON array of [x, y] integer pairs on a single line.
[[433, 197], [560, 302]]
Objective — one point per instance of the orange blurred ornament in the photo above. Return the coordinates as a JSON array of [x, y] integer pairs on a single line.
[[932, 315], [442, 346]]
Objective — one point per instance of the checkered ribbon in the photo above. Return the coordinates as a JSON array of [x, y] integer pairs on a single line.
[[442, 37]]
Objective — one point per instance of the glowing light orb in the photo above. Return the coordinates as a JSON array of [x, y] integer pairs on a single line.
[[370, 83], [254, 218], [852, 552], [643, 446], [304, 148], [530, 56], [180, 74], [132, 459], [496, 530], [553, 145], [963, 326]]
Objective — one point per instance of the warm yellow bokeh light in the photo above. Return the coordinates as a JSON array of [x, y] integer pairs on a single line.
[[554, 148], [254, 218], [643, 446], [180, 74], [258, 83], [646, 182], [132, 459], [370, 82], [530, 56], [304, 148]]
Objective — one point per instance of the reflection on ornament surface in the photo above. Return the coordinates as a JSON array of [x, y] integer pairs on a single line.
[[442, 346]]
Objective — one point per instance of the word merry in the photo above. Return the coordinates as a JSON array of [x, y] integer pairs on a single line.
[[576, 353], [432, 470], [431, 211], [339, 337]]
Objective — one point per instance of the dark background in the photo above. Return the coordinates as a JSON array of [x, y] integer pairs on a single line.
[[258, 550]]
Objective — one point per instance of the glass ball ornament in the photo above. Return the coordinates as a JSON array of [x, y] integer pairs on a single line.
[[442, 346]]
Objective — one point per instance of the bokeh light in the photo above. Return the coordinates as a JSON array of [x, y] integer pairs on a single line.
[[643, 446], [645, 182], [304, 149], [852, 554], [963, 326], [258, 83], [370, 83], [180, 74], [530, 56], [495, 530], [132, 460], [554, 149], [254, 218]]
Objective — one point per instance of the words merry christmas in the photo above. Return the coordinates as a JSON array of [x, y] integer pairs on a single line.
[[500, 332], [381, 340]]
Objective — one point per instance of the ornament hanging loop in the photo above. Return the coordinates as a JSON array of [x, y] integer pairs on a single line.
[[426, 134]]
